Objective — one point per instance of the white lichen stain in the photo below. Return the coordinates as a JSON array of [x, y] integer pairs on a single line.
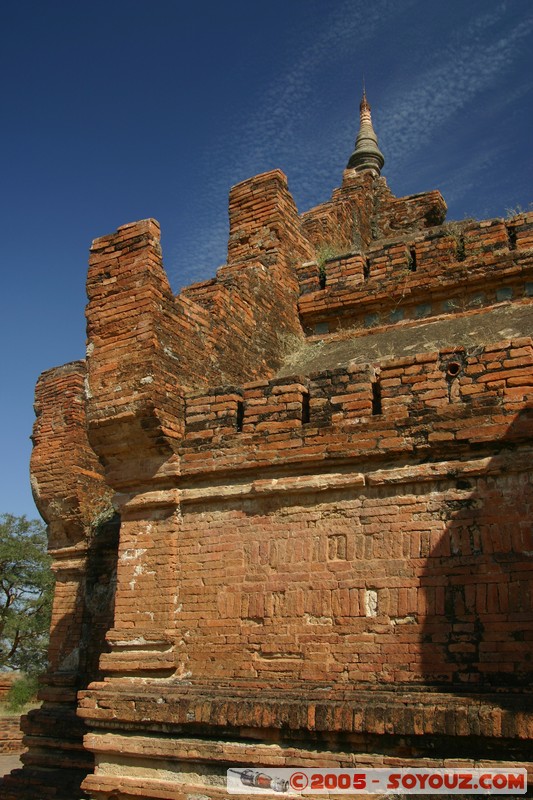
[[312, 620], [371, 603], [408, 620], [168, 352], [131, 555]]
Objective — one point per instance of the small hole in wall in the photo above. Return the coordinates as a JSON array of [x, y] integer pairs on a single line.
[[366, 269], [453, 368], [460, 251], [411, 263], [376, 398], [240, 414], [306, 410]]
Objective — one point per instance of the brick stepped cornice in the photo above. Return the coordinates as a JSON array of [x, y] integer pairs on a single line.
[[401, 711], [264, 727]]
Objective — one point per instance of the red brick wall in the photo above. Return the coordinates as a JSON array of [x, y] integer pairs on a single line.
[[364, 209], [264, 222], [386, 582], [426, 406], [449, 270], [10, 735], [425, 581]]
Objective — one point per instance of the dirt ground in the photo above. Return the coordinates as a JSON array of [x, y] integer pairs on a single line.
[[9, 762]]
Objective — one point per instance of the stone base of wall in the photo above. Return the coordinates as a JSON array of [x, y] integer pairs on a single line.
[[55, 763], [42, 784], [10, 735]]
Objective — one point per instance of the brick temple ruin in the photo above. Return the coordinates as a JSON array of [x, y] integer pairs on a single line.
[[290, 509]]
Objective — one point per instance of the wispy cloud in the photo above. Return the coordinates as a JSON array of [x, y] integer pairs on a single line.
[[464, 179], [464, 67], [293, 94], [259, 140]]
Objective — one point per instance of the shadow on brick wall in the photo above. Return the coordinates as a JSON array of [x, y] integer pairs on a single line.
[[55, 766], [477, 581]]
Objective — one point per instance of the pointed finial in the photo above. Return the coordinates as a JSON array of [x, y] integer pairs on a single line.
[[366, 155]]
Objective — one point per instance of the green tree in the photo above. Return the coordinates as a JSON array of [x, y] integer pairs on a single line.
[[26, 591]]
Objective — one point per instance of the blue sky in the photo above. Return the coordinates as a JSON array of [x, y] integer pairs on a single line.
[[120, 110]]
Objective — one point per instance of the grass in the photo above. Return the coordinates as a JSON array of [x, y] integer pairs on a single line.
[[516, 211], [7, 711]]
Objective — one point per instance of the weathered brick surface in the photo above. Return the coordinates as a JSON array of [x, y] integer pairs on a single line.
[[364, 209], [264, 222], [414, 405], [331, 567], [10, 735]]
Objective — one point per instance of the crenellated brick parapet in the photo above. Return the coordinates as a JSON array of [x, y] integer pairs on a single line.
[[145, 346], [400, 406], [454, 268], [133, 330]]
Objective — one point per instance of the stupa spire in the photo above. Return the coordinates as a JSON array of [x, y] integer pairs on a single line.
[[366, 154]]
